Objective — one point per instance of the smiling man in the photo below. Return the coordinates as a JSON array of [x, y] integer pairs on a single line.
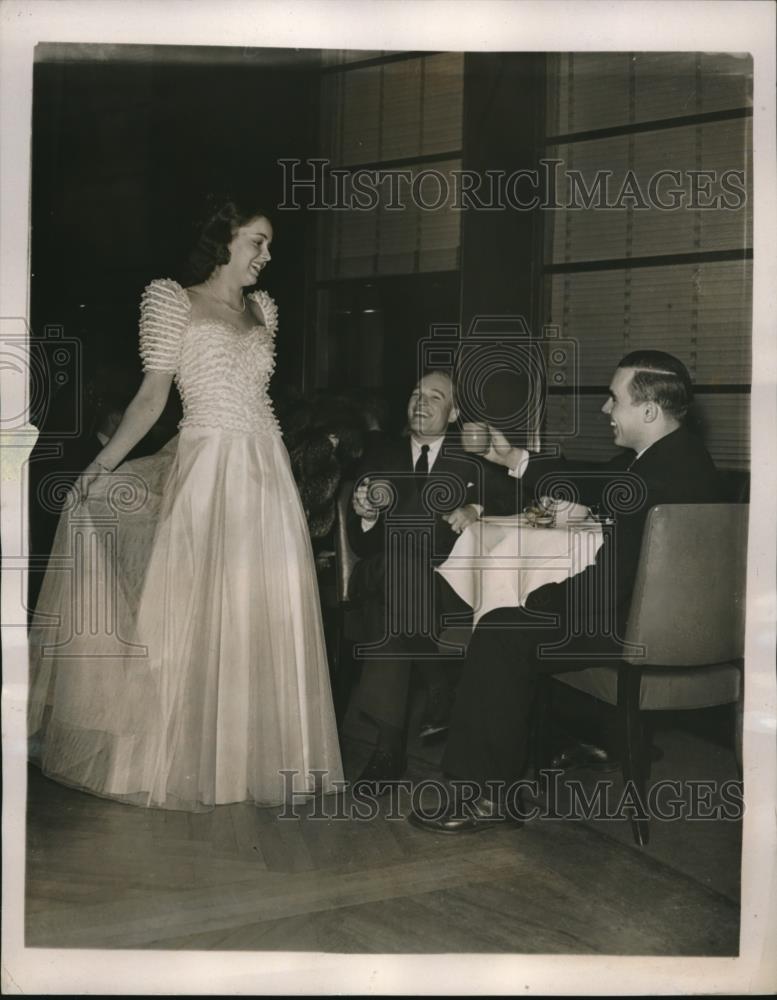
[[661, 462], [646, 404], [414, 497]]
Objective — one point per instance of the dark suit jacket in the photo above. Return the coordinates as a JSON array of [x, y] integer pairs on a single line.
[[676, 469], [419, 503]]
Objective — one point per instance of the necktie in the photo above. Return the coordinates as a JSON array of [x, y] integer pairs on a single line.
[[422, 465]]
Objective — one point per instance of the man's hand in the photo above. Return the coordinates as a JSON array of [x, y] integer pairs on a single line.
[[491, 444], [373, 497], [361, 502], [500, 451], [462, 517]]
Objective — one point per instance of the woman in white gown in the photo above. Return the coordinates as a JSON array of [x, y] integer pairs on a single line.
[[177, 654]]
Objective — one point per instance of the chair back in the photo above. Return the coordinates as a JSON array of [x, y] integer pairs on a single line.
[[345, 557], [688, 605]]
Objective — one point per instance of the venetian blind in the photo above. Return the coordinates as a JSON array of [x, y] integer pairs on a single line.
[[645, 276], [403, 115]]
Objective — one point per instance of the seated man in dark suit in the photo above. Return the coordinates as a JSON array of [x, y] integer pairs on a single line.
[[414, 495], [662, 463]]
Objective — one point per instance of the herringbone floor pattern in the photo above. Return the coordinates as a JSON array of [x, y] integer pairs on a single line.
[[105, 875]]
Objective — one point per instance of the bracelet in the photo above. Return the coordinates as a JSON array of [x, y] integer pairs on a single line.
[[101, 466]]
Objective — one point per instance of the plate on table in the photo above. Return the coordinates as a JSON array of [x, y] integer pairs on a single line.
[[505, 519]]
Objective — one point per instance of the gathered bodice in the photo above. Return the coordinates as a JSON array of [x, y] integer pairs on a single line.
[[223, 375], [222, 371]]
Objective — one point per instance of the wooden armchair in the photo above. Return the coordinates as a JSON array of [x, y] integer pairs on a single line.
[[347, 620]]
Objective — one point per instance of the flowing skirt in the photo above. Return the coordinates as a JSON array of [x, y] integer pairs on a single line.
[[177, 657]]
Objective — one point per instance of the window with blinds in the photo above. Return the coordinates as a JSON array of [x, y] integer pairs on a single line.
[[664, 263], [401, 114]]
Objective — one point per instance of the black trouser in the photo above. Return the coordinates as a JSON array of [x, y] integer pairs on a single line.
[[489, 735], [385, 679]]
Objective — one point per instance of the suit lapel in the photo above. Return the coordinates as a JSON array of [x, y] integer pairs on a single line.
[[407, 455]]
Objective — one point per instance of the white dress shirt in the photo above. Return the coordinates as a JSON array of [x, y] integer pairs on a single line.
[[434, 450], [431, 456]]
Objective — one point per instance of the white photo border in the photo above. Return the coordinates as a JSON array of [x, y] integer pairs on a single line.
[[498, 25]]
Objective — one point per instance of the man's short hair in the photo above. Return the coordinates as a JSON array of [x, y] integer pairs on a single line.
[[444, 374], [659, 378], [437, 371]]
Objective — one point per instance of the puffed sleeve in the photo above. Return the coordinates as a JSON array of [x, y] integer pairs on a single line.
[[269, 309], [164, 316]]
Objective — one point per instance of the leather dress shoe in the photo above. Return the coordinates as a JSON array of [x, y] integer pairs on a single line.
[[475, 817], [437, 716], [585, 755], [593, 758], [383, 767]]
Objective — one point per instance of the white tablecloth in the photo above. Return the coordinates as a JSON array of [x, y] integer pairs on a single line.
[[498, 562]]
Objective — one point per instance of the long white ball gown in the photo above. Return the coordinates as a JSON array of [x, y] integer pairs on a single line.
[[177, 657]]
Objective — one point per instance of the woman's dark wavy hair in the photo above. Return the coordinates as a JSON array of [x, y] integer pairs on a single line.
[[222, 215], [318, 464], [661, 378]]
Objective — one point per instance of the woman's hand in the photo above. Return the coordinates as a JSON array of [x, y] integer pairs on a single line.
[[462, 517], [86, 480]]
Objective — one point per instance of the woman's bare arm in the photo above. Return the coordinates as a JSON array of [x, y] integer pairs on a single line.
[[139, 417]]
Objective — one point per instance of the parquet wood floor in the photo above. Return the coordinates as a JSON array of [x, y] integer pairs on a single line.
[[105, 875]]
